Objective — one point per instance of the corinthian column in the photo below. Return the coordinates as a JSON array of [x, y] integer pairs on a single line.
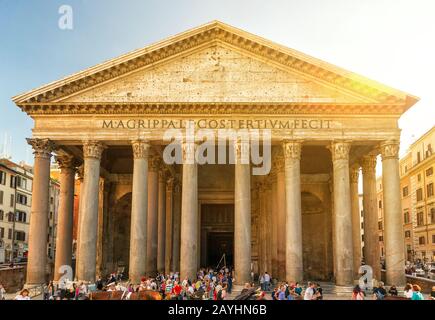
[[169, 225], [39, 211], [189, 213], [64, 233], [92, 151], [152, 219], [293, 234], [393, 238], [161, 221], [242, 214], [356, 221], [371, 236], [343, 259], [139, 206], [176, 227], [281, 213]]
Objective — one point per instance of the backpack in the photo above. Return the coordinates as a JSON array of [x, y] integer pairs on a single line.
[[379, 295]]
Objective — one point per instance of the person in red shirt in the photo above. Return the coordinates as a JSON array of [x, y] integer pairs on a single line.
[[176, 291]]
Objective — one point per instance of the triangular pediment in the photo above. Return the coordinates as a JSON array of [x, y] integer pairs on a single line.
[[215, 73], [215, 63]]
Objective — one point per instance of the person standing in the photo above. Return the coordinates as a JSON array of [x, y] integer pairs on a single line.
[[309, 292], [266, 281], [357, 294], [393, 291], [408, 291], [416, 293], [2, 292]]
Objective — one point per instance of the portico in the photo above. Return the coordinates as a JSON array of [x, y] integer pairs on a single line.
[[296, 221]]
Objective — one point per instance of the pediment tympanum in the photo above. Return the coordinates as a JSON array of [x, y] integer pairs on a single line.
[[214, 74]]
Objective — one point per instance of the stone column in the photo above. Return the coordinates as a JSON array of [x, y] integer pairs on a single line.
[[393, 236], [343, 259], [370, 207], [281, 213], [139, 207], [152, 218], [36, 265], [273, 212], [268, 205], [293, 234], [161, 228], [189, 213], [242, 214], [168, 227], [64, 235], [356, 220], [80, 173], [176, 227], [92, 151]]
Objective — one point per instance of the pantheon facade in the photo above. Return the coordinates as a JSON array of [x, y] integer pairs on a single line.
[[301, 221]]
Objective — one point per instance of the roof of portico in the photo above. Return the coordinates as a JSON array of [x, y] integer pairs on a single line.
[[50, 97]]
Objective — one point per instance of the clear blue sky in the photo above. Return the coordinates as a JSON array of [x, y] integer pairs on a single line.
[[391, 41]]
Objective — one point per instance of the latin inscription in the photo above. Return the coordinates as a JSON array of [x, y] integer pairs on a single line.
[[218, 124]]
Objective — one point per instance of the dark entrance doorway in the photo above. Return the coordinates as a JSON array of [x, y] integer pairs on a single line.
[[218, 244], [217, 234]]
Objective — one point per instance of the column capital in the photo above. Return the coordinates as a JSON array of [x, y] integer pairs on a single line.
[[354, 173], [66, 161], [93, 149], [390, 149], [188, 150], [368, 163], [339, 150], [241, 151], [153, 163], [140, 149], [292, 149], [42, 147]]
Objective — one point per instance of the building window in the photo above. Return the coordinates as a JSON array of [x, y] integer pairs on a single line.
[[419, 177], [418, 157], [407, 234], [2, 177], [10, 234], [406, 217], [362, 225], [420, 218], [380, 204], [2, 215], [422, 240], [429, 189], [51, 214], [433, 238], [12, 200], [13, 181], [381, 238], [432, 215], [21, 199], [379, 225], [429, 172], [1, 196], [20, 236], [429, 150], [2, 233], [10, 217], [21, 216], [419, 194], [405, 191], [362, 213]]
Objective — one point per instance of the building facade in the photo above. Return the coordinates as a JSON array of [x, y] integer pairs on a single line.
[[418, 199], [15, 196], [295, 219]]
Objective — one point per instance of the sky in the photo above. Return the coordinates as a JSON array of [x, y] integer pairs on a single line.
[[390, 41]]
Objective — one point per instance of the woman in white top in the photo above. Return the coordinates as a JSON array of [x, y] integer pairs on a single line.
[[24, 295], [408, 291]]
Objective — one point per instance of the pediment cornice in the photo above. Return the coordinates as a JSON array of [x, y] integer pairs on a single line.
[[215, 31], [207, 108]]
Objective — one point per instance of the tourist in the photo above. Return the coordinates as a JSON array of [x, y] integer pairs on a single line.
[[281, 294], [176, 291], [393, 291], [408, 291], [266, 281], [416, 295], [24, 295], [230, 282], [357, 294], [298, 289], [168, 289], [99, 283], [432, 294], [309, 292], [319, 292], [379, 292], [261, 280], [2, 292]]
